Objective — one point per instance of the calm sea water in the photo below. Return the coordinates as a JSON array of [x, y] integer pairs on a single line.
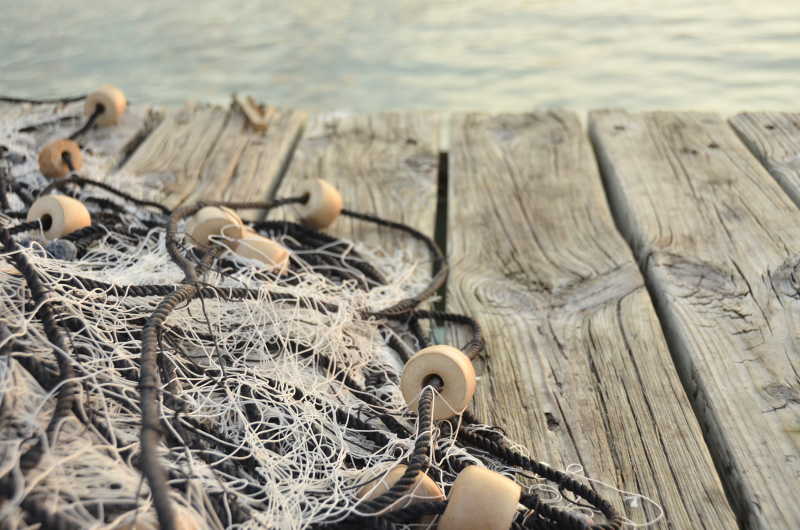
[[368, 55]]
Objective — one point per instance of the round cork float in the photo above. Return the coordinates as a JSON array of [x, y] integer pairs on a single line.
[[272, 254], [323, 206], [452, 367], [480, 499], [51, 158], [215, 221], [423, 488], [60, 215], [113, 101]]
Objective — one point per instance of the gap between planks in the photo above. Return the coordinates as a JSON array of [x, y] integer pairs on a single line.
[[210, 152], [576, 367], [716, 238]]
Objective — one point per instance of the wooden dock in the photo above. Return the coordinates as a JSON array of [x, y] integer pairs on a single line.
[[637, 282]]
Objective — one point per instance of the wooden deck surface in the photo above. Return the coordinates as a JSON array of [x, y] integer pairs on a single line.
[[637, 281]]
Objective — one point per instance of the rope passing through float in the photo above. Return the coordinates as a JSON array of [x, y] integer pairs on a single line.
[[256, 374]]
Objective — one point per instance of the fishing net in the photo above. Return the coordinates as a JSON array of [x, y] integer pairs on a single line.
[[146, 380]]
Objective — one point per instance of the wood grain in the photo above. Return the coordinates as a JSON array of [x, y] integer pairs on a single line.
[[774, 138], [170, 161], [576, 366], [263, 160], [718, 240], [383, 164], [196, 151]]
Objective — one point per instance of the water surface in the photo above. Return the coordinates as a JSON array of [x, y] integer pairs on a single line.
[[724, 55]]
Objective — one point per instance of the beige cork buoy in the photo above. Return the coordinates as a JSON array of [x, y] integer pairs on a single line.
[[323, 206], [51, 158], [113, 101], [272, 254], [448, 364], [60, 215], [423, 488], [480, 499], [212, 221]]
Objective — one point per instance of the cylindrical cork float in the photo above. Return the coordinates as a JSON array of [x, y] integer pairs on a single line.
[[323, 206], [213, 221], [52, 161], [113, 104], [59, 215], [480, 499], [272, 254], [451, 367]]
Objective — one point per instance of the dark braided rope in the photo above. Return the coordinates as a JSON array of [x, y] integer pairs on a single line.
[[416, 330], [98, 110], [66, 397], [439, 261], [47, 313], [474, 346], [91, 233], [149, 386], [253, 205], [149, 389], [555, 517], [195, 433], [471, 349], [23, 194], [565, 481], [149, 381], [55, 121], [313, 237], [476, 343], [413, 316], [204, 291], [43, 101], [418, 462], [34, 510], [24, 227], [16, 215], [82, 181], [4, 205]]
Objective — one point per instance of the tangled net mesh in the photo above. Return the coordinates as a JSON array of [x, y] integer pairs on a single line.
[[279, 394]]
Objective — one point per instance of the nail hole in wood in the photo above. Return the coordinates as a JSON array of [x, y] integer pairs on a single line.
[[552, 422]]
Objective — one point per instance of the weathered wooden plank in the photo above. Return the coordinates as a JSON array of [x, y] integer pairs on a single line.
[[774, 138], [196, 154], [719, 242], [170, 162], [576, 366], [383, 164], [262, 160]]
